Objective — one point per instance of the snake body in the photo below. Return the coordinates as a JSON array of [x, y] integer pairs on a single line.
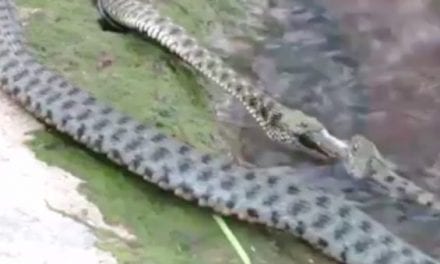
[[268, 197], [280, 123]]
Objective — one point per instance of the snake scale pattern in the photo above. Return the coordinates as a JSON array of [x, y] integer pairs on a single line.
[[270, 197], [281, 124]]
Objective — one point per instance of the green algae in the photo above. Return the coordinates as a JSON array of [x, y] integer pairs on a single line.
[[142, 79]]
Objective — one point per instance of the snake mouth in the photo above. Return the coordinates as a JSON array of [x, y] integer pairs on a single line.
[[326, 145]]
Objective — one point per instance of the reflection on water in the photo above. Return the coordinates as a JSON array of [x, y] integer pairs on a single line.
[[359, 66]]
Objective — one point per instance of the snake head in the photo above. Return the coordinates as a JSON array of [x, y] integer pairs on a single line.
[[294, 128], [361, 153]]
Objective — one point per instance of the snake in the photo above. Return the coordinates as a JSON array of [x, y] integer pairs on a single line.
[[270, 197], [283, 125]]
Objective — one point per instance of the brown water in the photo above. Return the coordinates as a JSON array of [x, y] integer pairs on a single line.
[[360, 66]]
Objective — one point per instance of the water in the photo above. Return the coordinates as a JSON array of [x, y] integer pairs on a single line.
[[366, 67]]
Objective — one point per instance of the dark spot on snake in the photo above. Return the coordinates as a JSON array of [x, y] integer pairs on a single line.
[[401, 189], [274, 217], [205, 175], [275, 118], [65, 119], [98, 143], [17, 77], [123, 120], [89, 101], [73, 91], [115, 155], [136, 162], [252, 102], [106, 110], [187, 43], [384, 258], [166, 171], [10, 64], [184, 149], [322, 221], [116, 136], [49, 115], [198, 53], [253, 192], [63, 84], [270, 105], [15, 91], [300, 228], [430, 204], [224, 76], [31, 84], [362, 246], [134, 144], [272, 180], [39, 70], [55, 97], [344, 211], [299, 207], [4, 53], [343, 255], [38, 107], [269, 201], [264, 112], [341, 231], [250, 176], [322, 243], [230, 204], [44, 91], [27, 100], [147, 173], [239, 88], [160, 153], [186, 188], [210, 65], [84, 115], [407, 252], [140, 128], [226, 167], [20, 51], [80, 131], [184, 167], [158, 137], [388, 240], [251, 212], [322, 201], [101, 124], [227, 184], [293, 189], [366, 226], [389, 178], [159, 20], [204, 197], [53, 78], [206, 158], [174, 31], [68, 104]]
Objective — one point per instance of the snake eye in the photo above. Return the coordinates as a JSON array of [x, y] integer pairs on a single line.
[[355, 147]]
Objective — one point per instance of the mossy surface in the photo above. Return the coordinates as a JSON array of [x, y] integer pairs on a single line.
[[142, 79]]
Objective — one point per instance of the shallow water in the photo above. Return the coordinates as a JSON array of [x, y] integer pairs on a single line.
[[361, 67]]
